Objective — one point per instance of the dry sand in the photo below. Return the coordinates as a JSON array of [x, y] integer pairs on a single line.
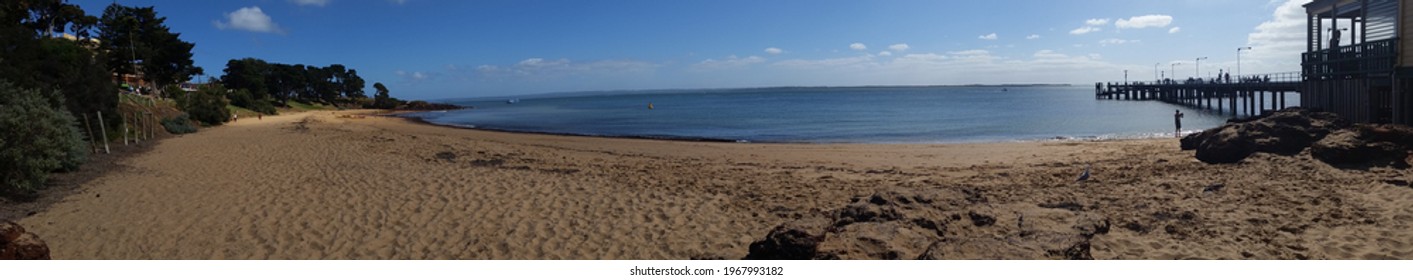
[[318, 186]]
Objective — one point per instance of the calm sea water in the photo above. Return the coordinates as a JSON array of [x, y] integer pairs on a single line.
[[838, 115]]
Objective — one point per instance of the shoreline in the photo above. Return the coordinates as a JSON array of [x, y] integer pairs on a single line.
[[323, 186], [1060, 139]]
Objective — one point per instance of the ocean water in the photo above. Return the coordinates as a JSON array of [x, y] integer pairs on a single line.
[[838, 115]]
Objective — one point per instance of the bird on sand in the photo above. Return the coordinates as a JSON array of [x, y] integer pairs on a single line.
[[1084, 176]]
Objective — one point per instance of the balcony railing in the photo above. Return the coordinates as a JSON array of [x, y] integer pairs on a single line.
[[1376, 57]]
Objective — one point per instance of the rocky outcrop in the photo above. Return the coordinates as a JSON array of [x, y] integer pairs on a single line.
[[1285, 132], [937, 224], [1366, 145], [1290, 131], [16, 244]]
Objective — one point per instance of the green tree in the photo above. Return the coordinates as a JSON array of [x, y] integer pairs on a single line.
[[137, 36], [285, 81], [52, 16], [351, 85], [248, 74], [36, 137], [381, 99], [53, 65]]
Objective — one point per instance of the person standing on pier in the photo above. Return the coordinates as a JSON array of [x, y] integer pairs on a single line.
[[1177, 121]]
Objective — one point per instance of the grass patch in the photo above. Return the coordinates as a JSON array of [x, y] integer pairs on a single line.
[[301, 106], [242, 112]]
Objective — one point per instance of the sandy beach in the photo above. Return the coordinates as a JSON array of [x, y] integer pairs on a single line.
[[323, 185]]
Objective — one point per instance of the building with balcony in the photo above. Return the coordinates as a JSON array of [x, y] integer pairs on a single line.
[[1357, 62]]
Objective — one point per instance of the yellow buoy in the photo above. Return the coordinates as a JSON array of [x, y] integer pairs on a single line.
[[650, 105]]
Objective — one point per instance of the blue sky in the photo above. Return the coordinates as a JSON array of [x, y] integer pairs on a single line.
[[425, 49]]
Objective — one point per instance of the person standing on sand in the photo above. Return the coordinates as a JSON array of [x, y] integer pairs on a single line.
[[1177, 120]]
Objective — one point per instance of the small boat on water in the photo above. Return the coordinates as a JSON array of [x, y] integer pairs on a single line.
[[512, 101], [650, 105]]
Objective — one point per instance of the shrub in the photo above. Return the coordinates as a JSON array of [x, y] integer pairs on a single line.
[[264, 106], [37, 136], [180, 124], [207, 105]]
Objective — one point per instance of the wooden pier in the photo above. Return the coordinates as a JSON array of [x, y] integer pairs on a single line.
[[1245, 95]]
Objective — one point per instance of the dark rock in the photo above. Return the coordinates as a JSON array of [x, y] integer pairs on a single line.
[[981, 220], [1285, 132], [1136, 227], [1224, 144], [794, 240], [16, 244], [28, 247], [938, 227], [10, 231], [447, 156], [487, 162], [863, 213], [1213, 188], [1366, 145]]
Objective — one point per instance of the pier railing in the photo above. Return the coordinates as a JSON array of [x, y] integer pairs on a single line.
[[1281, 78], [1245, 94]]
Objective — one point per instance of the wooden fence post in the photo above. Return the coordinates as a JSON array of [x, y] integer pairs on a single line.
[[102, 129], [92, 142]]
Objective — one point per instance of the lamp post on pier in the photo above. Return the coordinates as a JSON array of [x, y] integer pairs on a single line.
[[1198, 70], [1174, 69], [1238, 61], [1155, 72]]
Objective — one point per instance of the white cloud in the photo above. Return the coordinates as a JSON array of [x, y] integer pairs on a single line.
[[991, 36], [412, 77], [249, 19], [540, 67], [885, 53], [1032, 37], [976, 66], [1174, 30], [1048, 54], [1096, 22], [319, 3], [971, 55], [858, 46], [728, 63], [1085, 30], [1144, 21], [921, 58], [899, 47], [1115, 41], [1277, 43], [829, 63], [774, 50]]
